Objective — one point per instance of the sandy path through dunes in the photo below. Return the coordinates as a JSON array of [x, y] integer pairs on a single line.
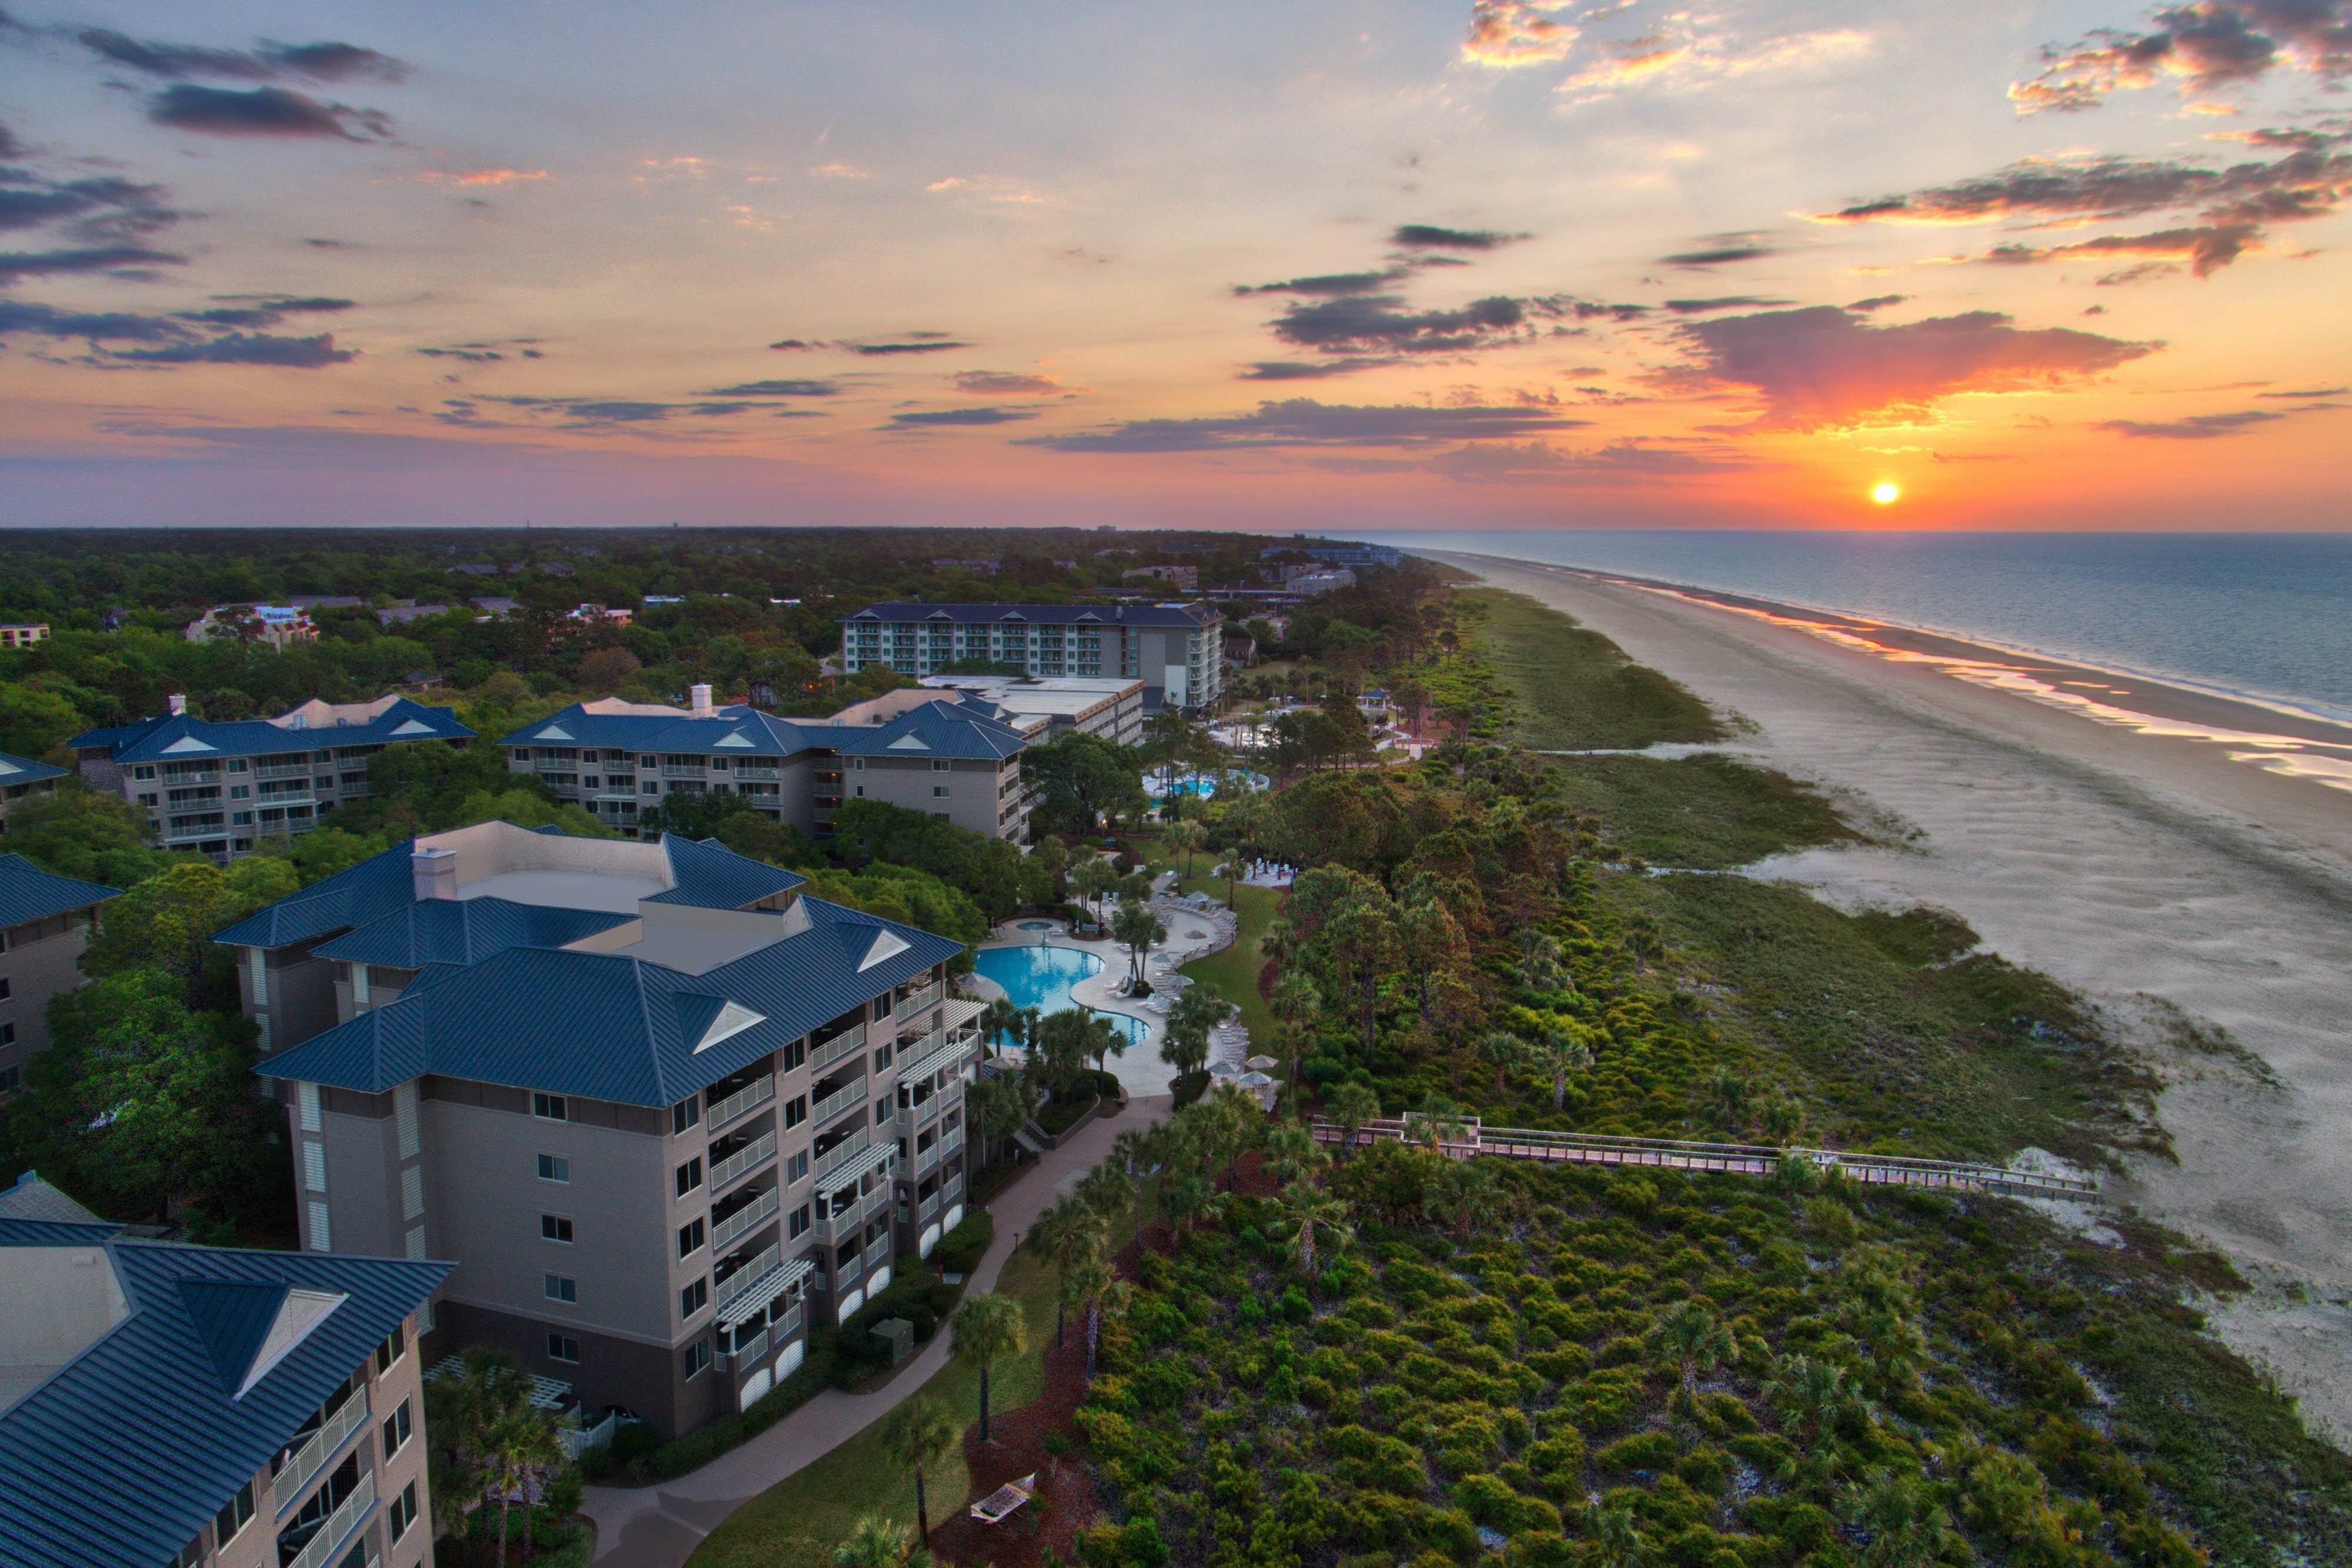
[[2124, 865]]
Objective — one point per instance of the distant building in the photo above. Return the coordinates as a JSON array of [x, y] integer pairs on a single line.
[[478, 568], [1174, 649], [218, 788], [170, 1405], [598, 612], [279, 625], [21, 779], [46, 921], [402, 614], [1187, 578], [1317, 579], [493, 604], [324, 602], [22, 633], [946, 563], [1339, 554], [1110, 708], [665, 598]]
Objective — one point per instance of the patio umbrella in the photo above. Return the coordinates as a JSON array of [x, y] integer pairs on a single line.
[[1222, 1070], [1260, 1063], [1255, 1080]]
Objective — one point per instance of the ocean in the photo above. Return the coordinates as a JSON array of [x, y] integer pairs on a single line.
[[2262, 616]]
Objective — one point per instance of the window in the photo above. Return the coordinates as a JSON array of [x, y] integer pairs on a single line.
[[562, 1347], [560, 1288], [550, 1108], [555, 1228], [692, 1300], [882, 1111], [861, 791], [403, 1512], [940, 765], [795, 1111], [396, 1430], [882, 1009], [234, 1516], [650, 762], [798, 1224], [394, 1345], [650, 787], [697, 1356], [858, 765], [796, 1167], [192, 1556], [7, 1034], [690, 1238], [685, 1114], [794, 1055], [882, 1057], [554, 1167], [10, 1076], [689, 1175], [939, 792]]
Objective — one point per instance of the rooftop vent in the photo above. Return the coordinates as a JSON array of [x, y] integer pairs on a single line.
[[177, 703], [436, 871], [703, 706]]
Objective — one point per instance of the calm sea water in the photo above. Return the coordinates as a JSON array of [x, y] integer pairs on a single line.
[[2267, 616]]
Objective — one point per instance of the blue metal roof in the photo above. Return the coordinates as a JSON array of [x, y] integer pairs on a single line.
[[182, 738], [711, 875], [379, 886], [53, 1232], [948, 727], [733, 731], [626, 1029], [900, 612], [125, 1453], [15, 769], [28, 892], [463, 931]]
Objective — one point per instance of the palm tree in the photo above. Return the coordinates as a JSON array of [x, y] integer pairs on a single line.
[[1104, 1193], [986, 1329], [1809, 1392], [1134, 1153], [1440, 1121], [1182, 1195], [1465, 1192], [876, 1541], [1185, 1044], [1305, 1210], [1087, 1281], [522, 1446], [1906, 1526], [1730, 1093], [1292, 1153], [1500, 1051], [919, 1433], [1695, 1338], [1091, 879], [997, 1108], [1066, 1235], [1353, 1104], [1001, 1017], [1136, 928], [1295, 1003], [1560, 1053], [1190, 837], [1611, 1540], [480, 1419]]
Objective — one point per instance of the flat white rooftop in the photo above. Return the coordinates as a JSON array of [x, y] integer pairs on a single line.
[[615, 892], [693, 952]]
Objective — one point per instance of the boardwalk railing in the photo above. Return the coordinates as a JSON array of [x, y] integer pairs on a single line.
[[1466, 1138]]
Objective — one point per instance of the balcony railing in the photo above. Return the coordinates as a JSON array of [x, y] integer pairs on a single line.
[[335, 1535], [840, 1100], [305, 1462], [925, 1159], [952, 1188], [840, 1045], [281, 769], [752, 770], [931, 1207], [783, 1328], [916, 1001], [743, 1161], [759, 1092], [841, 1153], [881, 1253], [744, 1220], [744, 1277], [847, 1221], [751, 1349]]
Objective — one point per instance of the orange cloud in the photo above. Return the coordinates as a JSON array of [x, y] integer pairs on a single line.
[[1508, 33]]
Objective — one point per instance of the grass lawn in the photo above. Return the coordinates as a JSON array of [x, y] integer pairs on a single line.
[[1232, 972], [1575, 688], [799, 1521]]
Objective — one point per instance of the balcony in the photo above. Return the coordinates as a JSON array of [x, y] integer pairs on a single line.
[[303, 1465], [745, 1277], [201, 776], [335, 1535], [281, 769], [926, 1160], [952, 1188], [848, 1221], [840, 1045], [841, 1153], [743, 1161], [759, 1092], [850, 1093], [751, 1349], [916, 1001], [881, 1253], [753, 770], [846, 1274], [744, 1220], [930, 1208], [680, 770]]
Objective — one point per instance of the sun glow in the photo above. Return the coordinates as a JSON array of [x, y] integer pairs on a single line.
[[1885, 492]]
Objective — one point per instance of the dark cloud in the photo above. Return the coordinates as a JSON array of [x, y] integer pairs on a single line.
[[2309, 393], [263, 111], [472, 356], [1725, 302], [249, 349], [19, 264], [2196, 427], [594, 413], [931, 418], [1718, 256], [335, 62], [269, 62], [1380, 323], [10, 147], [2206, 248], [100, 210], [1823, 366], [1312, 370], [1618, 463], [1006, 384], [906, 343], [1303, 422], [1878, 302], [98, 325], [1327, 284], [263, 312], [778, 388], [1429, 236], [2203, 46]]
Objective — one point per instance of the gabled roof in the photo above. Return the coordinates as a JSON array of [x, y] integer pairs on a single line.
[[709, 875], [627, 1030], [15, 769], [379, 886], [28, 892], [463, 931], [183, 736], [1194, 615], [948, 727], [123, 1454], [733, 730], [32, 1198]]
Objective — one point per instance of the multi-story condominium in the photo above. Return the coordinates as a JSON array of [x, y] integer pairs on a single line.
[[1109, 707], [943, 757], [218, 788], [1174, 649], [279, 625], [23, 635], [171, 1406], [46, 921], [664, 1111], [21, 779]]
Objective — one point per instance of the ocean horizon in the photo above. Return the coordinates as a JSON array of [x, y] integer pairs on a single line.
[[2262, 617]]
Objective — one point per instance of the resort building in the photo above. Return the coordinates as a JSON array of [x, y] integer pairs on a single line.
[[21, 779], [22, 633], [1174, 649], [1110, 708], [1187, 578], [46, 921], [279, 625], [663, 1112], [218, 788], [204, 1407], [937, 755]]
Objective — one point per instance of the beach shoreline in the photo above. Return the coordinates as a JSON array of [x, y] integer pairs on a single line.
[[2132, 840]]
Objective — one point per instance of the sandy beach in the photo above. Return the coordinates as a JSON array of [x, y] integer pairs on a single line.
[[2155, 848]]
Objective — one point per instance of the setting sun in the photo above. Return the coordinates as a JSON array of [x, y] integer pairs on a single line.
[[1885, 492]]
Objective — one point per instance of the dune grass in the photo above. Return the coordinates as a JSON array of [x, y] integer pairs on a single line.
[[1704, 811], [1574, 688]]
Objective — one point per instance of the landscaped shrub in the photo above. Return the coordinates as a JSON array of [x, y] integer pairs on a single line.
[[1642, 1451], [960, 1250]]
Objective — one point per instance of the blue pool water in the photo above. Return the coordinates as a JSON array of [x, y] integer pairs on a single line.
[[1040, 976]]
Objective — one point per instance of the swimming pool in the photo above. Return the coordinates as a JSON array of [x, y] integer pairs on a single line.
[[1040, 976], [1036, 925]]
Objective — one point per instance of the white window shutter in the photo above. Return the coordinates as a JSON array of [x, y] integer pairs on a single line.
[[412, 1193], [359, 985], [314, 1166], [257, 969], [321, 1241], [417, 1251], [305, 1101], [404, 1116]]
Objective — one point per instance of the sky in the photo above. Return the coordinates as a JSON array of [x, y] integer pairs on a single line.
[[1338, 263]]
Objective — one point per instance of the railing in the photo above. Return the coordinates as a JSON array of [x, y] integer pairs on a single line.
[[750, 1349], [842, 1099], [917, 1000], [881, 1253], [843, 1273], [914, 1053], [743, 1220], [578, 1440], [200, 776], [305, 1462], [841, 1153], [336, 1533], [759, 1092], [680, 770], [1466, 1140], [787, 1325], [952, 1188], [930, 1208], [841, 1222], [954, 1152], [281, 769], [748, 770], [743, 1278], [840, 1045], [925, 1159], [756, 1152], [913, 1118]]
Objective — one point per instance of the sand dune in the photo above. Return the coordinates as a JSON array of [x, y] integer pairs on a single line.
[[2128, 865]]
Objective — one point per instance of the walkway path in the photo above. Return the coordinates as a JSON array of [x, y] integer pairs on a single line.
[[659, 1526]]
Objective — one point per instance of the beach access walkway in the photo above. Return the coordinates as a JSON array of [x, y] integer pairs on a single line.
[[1464, 1138]]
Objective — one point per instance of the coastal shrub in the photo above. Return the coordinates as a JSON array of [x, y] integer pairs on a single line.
[[960, 1250]]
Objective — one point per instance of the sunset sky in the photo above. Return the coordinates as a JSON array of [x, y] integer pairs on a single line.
[[1345, 265]]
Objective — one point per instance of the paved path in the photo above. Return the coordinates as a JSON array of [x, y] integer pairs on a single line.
[[659, 1526]]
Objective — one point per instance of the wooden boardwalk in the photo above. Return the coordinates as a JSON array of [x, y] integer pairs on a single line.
[[1466, 1139]]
